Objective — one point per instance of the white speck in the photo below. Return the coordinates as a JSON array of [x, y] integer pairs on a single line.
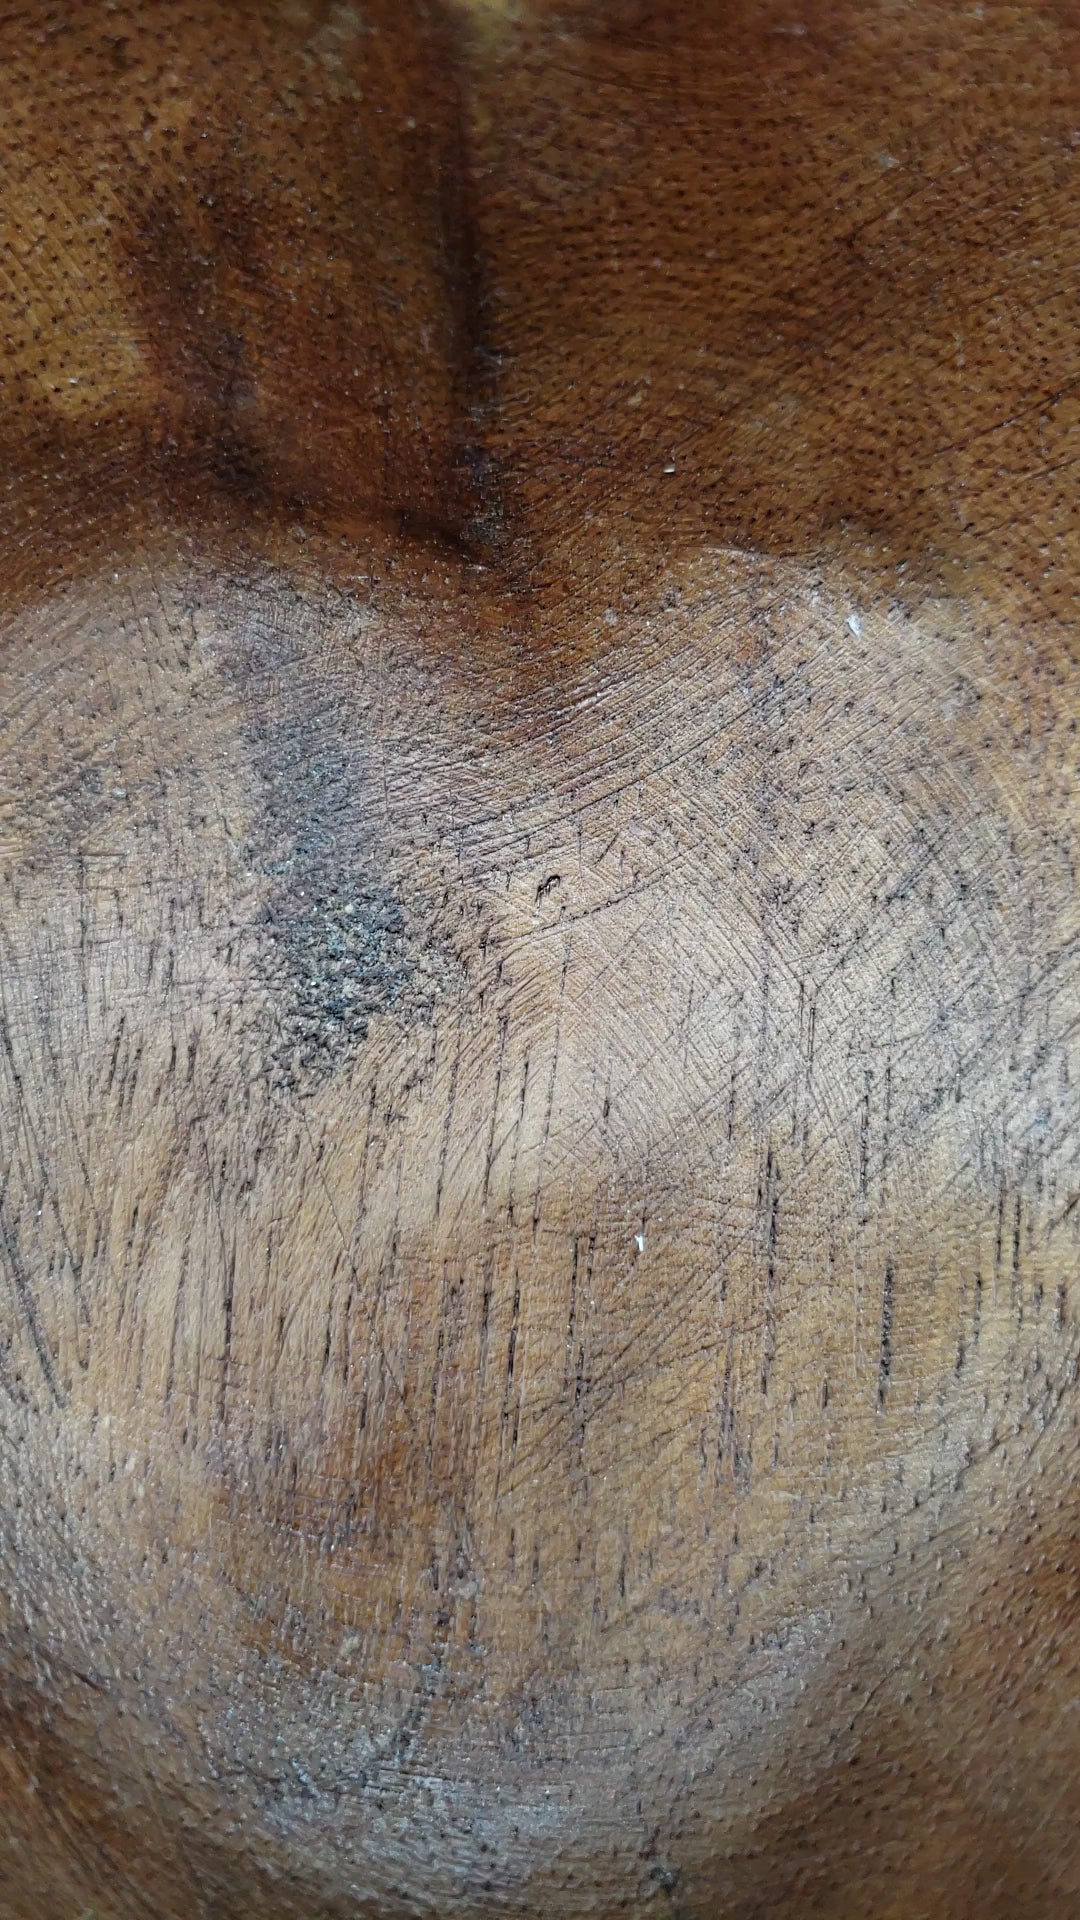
[[639, 1242], [119, 793], [670, 468], [855, 624]]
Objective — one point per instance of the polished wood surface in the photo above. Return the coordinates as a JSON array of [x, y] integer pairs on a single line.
[[538, 960]]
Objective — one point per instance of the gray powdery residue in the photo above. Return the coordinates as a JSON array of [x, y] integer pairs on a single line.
[[339, 958], [344, 933]]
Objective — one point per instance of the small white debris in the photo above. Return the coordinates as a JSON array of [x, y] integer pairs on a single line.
[[670, 468], [855, 624], [639, 1242]]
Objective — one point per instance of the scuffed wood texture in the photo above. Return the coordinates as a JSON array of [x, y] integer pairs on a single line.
[[538, 954]]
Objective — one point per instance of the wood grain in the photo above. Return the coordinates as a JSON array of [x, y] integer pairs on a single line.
[[538, 960]]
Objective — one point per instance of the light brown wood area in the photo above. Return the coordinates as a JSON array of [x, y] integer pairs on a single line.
[[538, 960]]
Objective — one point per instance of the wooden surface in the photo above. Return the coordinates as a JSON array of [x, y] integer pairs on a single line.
[[538, 961]]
